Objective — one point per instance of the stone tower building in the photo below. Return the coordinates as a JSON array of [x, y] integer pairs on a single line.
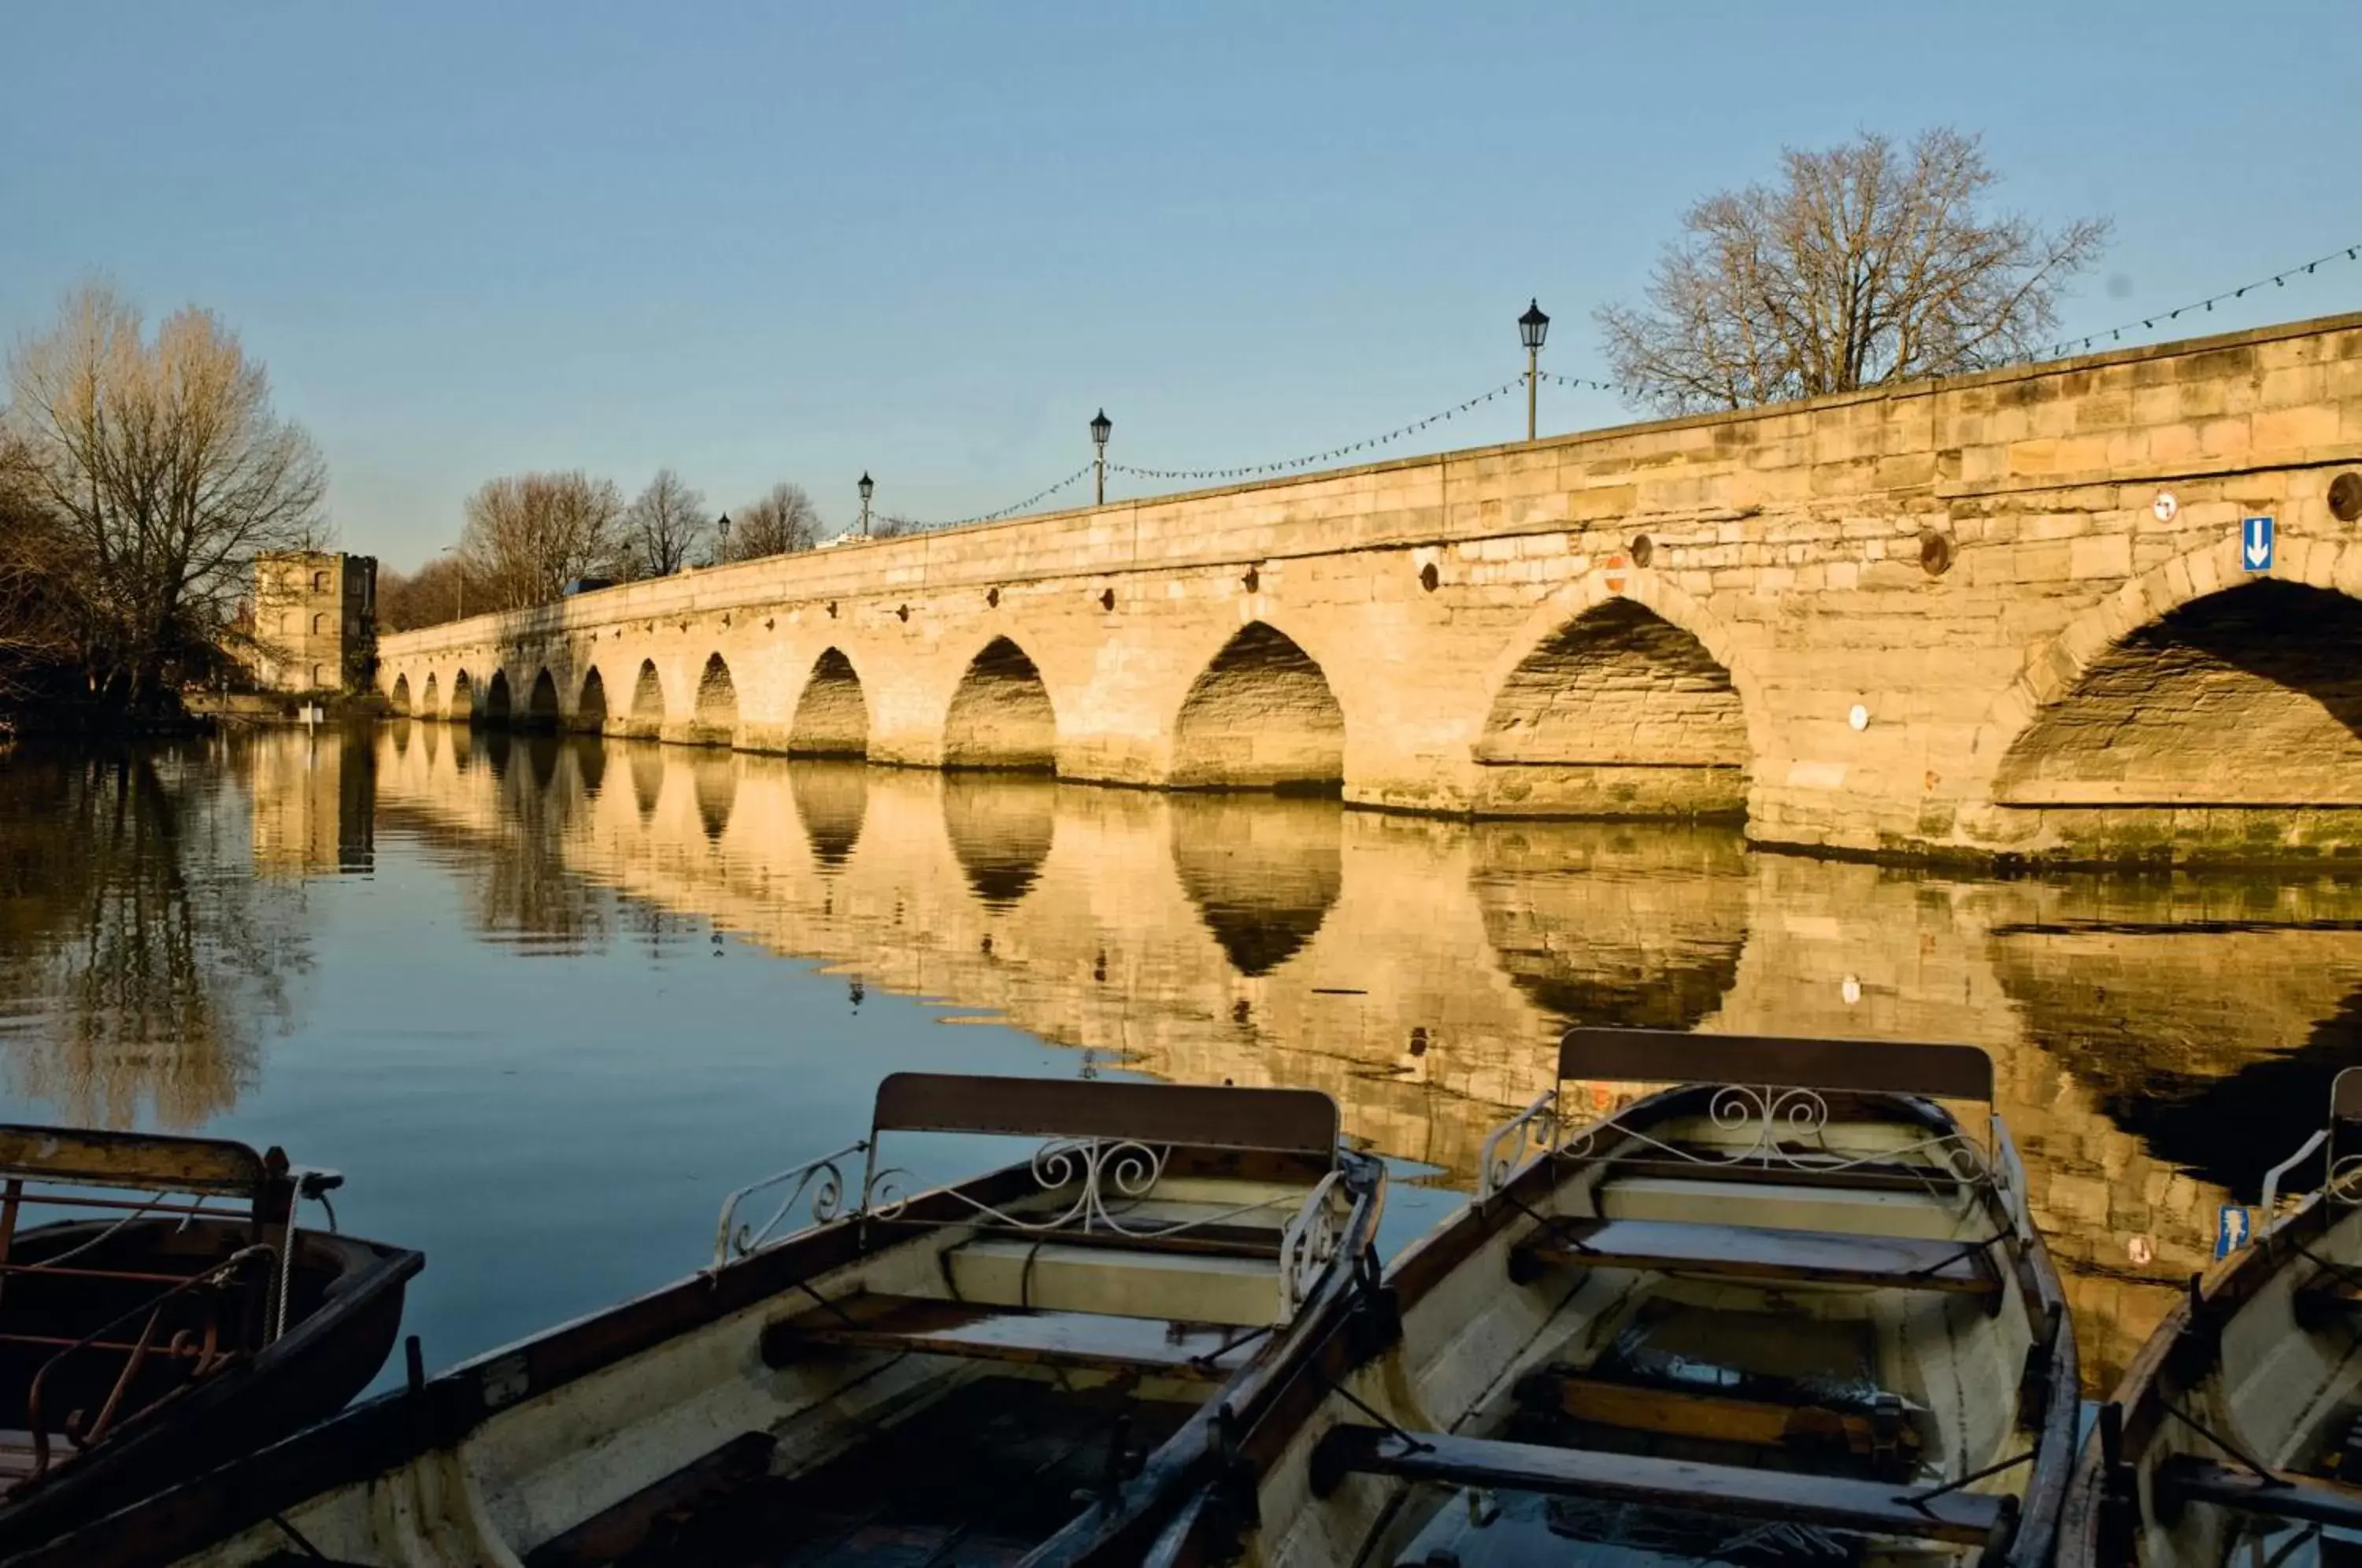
[[316, 620]]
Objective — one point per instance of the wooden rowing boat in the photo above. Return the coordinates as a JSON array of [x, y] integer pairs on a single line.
[[2235, 1434], [1015, 1367], [174, 1315], [1790, 1310]]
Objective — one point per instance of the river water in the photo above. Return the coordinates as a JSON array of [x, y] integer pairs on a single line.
[[545, 1003]]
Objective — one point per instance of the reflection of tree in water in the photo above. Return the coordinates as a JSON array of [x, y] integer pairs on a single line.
[[152, 963], [832, 797], [1000, 826], [1605, 923], [2213, 1047], [1263, 870]]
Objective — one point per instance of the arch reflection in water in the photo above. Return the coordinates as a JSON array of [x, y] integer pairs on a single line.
[[716, 783], [1263, 872], [830, 799], [1001, 831], [1605, 923]]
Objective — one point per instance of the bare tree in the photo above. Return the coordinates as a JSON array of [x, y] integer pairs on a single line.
[[42, 613], [527, 535], [1861, 264], [893, 526], [432, 595], [664, 527], [163, 470], [785, 519]]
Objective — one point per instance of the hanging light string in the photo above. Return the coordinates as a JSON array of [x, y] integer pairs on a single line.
[[1586, 383], [1015, 507], [1288, 464], [2149, 322]]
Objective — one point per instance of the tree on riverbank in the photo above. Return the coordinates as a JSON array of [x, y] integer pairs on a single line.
[[664, 527], [1861, 264], [527, 535], [784, 519], [432, 595], [148, 472]]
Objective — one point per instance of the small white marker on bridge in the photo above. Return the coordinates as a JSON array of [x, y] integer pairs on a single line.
[[1858, 718], [2164, 507]]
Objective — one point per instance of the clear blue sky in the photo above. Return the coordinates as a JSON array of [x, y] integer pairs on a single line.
[[798, 241]]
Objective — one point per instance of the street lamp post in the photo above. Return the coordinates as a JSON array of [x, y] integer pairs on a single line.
[[1101, 428], [458, 578], [724, 526], [1532, 328], [866, 487]]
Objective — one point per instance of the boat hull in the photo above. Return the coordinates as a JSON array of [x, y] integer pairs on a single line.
[[344, 1318]]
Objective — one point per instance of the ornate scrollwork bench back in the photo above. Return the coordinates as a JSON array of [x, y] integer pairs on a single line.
[[1106, 1146], [1770, 1092]]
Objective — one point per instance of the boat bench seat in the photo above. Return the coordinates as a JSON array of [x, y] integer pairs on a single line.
[[1123, 1282], [929, 1326], [1736, 1251], [1874, 1507], [2185, 1479]]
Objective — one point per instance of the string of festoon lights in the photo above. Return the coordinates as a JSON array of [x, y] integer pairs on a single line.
[[2149, 323], [1014, 507], [1288, 464], [1588, 383]]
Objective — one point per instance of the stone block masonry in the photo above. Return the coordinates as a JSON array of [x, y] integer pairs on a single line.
[[1993, 616]]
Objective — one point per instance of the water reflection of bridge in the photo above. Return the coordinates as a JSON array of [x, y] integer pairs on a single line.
[[1418, 970]]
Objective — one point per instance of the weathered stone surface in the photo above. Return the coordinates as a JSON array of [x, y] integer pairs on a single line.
[[1472, 632]]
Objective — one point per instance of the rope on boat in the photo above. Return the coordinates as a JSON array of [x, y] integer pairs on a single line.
[[1920, 1500], [1416, 1444], [2263, 1472], [299, 1538]]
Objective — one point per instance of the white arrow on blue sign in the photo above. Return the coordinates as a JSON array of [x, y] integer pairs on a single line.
[[2257, 541]]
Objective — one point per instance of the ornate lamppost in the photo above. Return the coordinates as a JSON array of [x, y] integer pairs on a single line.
[[1101, 429], [1532, 328], [866, 486]]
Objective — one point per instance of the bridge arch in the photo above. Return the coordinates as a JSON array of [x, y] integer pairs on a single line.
[[716, 715], [541, 702], [1000, 715], [647, 710], [499, 706], [429, 706], [2198, 713], [1260, 716], [1616, 710], [590, 704], [832, 715], [463, 698], [398, 701]]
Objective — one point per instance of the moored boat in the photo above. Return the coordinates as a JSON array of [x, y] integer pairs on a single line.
[[1022, 1365], [2236, 1433], [173, 1314], [1790, 1310]]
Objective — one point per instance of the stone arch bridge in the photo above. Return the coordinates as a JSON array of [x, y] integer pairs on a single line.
[[1999, 615]]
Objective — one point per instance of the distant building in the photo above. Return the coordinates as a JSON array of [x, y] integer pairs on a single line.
[[314, 621]]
